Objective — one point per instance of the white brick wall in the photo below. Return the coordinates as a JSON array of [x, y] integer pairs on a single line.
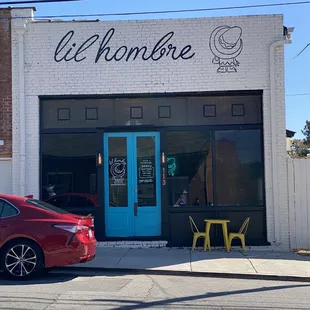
[[138, 76], [44, 76]]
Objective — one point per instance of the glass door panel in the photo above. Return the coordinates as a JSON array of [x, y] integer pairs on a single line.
[[146, 171], [118, 185], [118, 172], [147, 219]]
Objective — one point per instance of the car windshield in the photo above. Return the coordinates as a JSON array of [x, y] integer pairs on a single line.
[[46, 206]]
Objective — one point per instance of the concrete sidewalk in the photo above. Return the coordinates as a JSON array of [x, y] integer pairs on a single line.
[[253, 264]]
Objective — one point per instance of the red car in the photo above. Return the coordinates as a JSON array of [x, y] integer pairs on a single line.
[[35, 236]]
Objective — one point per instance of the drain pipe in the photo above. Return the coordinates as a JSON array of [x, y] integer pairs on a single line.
[[19, 27], [22, 114], [272, 110]]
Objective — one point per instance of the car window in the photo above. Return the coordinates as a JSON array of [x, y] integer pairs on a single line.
[[1, 207], [7, 210], [60, 201], [46, 206], [77, 202]]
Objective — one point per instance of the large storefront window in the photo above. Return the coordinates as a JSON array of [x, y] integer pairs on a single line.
[[69, 172], [235, 177], [239, 168], [189, 160]]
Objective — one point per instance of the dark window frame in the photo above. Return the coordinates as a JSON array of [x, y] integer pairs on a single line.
[[213, 129], [164, 106], [165, 130], [91, 118], [204, 110], [76, 131], [216, 204], [235, 106], [131, 112], [201, 129], [63, 109], [162, 129]]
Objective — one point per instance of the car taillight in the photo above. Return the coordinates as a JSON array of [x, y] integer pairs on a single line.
[[73, 228], [90, 233], [92, 220], [78, 230]]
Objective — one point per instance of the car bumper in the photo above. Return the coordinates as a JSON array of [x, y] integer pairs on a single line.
[[72, 254], [87, 258], [89, 252]]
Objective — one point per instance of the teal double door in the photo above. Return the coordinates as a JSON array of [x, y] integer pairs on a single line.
[[132, 184]]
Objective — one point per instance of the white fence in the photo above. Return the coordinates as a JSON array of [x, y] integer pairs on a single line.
[[5, 176], [299, 202]]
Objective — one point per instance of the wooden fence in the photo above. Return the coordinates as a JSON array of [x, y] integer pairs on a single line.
[[299, 202]]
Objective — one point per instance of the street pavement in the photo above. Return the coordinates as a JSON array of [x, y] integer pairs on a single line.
[[254, 264], [107, 290]]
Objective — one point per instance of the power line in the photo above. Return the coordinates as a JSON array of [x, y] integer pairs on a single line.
[[34, 1], [174, 11], [301, 51], [169, 11], [294, 95]]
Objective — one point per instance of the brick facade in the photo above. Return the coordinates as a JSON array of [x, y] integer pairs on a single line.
[[5, 83], [45, 76]]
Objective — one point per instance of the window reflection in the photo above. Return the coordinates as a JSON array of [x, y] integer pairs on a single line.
[[146, 171], [189, 161], [118, 175], [239, 167], [69, 172]]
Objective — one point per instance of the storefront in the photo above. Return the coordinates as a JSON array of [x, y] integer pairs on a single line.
[[145, 123]]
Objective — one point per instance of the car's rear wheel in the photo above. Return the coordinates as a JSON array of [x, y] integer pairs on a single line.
[[22, 259]]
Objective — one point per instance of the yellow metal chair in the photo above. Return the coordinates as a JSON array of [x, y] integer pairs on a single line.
[[197, 234], [240, 234]]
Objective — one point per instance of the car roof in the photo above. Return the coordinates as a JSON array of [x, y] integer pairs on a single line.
[[13, 197], [20, 202]]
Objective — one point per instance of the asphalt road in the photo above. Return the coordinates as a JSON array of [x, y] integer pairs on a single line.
[[118, 291]]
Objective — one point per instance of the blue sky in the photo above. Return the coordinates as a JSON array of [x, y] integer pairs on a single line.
[[296, 71]]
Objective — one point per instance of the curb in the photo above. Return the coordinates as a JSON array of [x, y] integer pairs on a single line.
[[129, 271]]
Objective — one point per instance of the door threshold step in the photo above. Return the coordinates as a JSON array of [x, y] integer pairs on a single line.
[[132, 244]]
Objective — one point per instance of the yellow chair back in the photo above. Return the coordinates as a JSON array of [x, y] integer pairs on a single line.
[[193, 225], [244, 228]]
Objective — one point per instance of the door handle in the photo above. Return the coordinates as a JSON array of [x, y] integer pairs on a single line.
[[135, 209]]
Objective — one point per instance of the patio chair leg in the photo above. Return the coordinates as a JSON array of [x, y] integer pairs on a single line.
[[194, 242], [206, 244], [243, 243], [229, 243]]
